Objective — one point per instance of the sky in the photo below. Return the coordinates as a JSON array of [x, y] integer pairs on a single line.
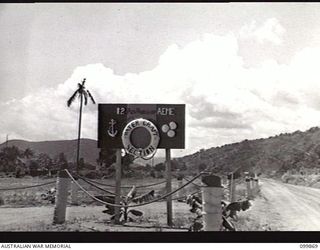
[[244, 70]]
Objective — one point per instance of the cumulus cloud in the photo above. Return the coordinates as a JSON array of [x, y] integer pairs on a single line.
[[271, 31], [225, 101]]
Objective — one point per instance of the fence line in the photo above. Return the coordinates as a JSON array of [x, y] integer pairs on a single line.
[[198, 186], [108, 185], [107, 191], [97, 187], [17, 188], [185, 196], [129, 206]]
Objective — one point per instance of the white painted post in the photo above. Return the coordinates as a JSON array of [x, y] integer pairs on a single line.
[[247, 179], [232, 188], [118, 186], [229, 186], [233, 193], [252, 187], [212, 194], [62, 187], [74, 194], [256, 184], [180, 193]]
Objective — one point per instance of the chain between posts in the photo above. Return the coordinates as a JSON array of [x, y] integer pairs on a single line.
[[137, 205]]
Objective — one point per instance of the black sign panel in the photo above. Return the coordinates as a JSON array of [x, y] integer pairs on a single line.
[[168, 118]]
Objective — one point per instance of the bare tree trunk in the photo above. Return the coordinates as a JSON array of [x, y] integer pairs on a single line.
[[79, 133]]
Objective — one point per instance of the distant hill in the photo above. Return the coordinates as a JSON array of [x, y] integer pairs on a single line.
[[271, 156], [156, 161], [89, 150]]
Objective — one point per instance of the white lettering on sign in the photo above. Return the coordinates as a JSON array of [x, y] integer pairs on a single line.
[[150, 148], [121, 110], [160, 111], [165, 111]]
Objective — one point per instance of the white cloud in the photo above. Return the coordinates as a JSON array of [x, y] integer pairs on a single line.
[[271, 31], [226, 102]]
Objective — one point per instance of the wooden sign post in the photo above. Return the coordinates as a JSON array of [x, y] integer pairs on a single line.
[[141, 129], [168, 187], [118, 187]]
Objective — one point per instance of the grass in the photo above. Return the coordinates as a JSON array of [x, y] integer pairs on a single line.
[[310, 180], [94, 220], [90, 219], [24, 197]]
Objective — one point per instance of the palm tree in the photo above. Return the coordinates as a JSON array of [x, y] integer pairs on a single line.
[[83, 94]]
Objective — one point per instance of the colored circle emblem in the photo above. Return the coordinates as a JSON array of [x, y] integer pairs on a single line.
[[135, 147]]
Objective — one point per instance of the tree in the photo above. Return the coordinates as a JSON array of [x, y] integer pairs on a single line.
[[107, 157], [160, 167], [127, 159], [202, 167], [82, 164], [9, 157], [45, 162], [28, 153], [33, 168], [83, 94], [61, 161]]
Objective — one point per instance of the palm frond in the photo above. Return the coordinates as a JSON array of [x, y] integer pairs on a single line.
[[144, 198], [85, 96], [227, 224], [91, 97], [135, 212], [71, 99], [132, 193]]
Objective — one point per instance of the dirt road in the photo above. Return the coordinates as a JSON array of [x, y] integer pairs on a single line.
[[297, 208]]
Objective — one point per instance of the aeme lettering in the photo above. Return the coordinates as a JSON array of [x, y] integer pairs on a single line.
[[154, 141]]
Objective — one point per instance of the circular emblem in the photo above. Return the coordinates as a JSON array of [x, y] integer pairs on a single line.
[[140, 137]]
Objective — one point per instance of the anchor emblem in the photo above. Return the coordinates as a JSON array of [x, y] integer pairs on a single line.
[[111, 130]]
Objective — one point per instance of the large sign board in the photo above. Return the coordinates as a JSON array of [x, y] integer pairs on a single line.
[[142, 127]]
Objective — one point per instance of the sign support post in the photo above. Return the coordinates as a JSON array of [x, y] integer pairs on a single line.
[[168, 187], [141, 129], [118, 186]]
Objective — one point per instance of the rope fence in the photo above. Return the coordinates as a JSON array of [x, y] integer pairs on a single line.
[[108, 185], [198, 186], [99, 188], [112, 193], [26, 187], [130, 206], [185, 196]]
